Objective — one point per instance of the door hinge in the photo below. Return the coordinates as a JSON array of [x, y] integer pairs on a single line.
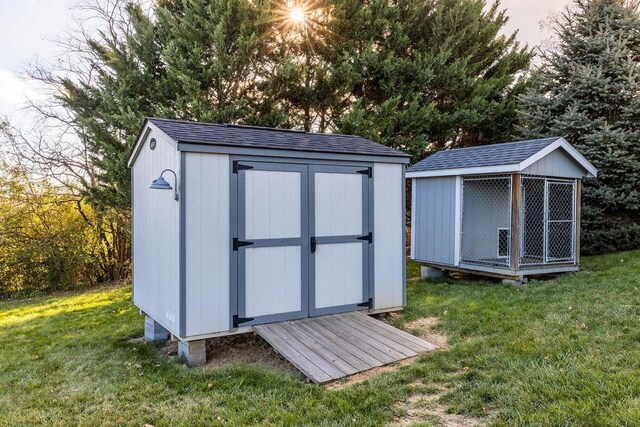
[[366, 171], [238, 320], [237, 166], [367, 237], [367, 303], [240, 243]]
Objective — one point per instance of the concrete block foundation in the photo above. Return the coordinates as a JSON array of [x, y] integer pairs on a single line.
[[194, 352], [154, 331], [515, 282], [431, 273]]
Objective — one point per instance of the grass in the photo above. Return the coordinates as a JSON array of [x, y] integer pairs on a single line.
[[561, 352]]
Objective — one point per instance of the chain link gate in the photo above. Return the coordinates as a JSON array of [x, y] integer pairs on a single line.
[[486, 220], [548, 217]]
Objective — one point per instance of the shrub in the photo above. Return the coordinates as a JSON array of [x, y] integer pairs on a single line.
[[45, 242]]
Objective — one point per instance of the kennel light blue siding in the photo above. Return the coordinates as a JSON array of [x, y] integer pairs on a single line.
[[557, 164], [435, 201]]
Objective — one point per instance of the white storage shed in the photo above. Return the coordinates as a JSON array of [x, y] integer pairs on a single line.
[[506, 210], [261, 225]]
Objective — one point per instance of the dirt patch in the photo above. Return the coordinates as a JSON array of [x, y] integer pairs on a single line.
[[424, 328], [239, 349], [425, 407]]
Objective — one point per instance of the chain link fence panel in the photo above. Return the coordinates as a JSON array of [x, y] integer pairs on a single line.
[[486, 220]]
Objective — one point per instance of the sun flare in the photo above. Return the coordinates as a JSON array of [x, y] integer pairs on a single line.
[[297, 15], [300, 22]]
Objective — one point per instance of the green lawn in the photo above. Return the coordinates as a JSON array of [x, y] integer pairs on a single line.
[[561, 352]]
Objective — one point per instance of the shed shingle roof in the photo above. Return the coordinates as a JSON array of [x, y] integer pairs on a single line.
[[270, 138], [508, 153]]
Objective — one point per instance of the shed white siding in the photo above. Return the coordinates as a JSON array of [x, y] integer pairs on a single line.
[[156, 239], [434, 221], [388, 233], [557, 164], [206, 243], [182, 251]]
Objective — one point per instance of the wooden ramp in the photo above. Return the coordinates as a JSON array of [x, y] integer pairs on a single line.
[[331, 347]]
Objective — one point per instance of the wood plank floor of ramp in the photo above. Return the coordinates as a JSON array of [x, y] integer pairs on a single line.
[[330, 347]]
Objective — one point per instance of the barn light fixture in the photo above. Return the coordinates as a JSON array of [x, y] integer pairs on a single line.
[[161, 184]]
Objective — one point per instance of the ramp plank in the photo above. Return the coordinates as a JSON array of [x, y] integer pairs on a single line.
[[330, 347], [292, 355], [380, 341], [356, 338], [367, 361], [321, 349], [394, 334], [395, 331]]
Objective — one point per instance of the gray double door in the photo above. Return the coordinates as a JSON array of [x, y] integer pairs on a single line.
[[303, 240]]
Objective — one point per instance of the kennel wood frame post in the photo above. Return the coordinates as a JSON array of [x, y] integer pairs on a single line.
[[464, 200], [516, 198]]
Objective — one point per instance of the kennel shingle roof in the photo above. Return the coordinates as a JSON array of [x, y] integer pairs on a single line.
[[486, 155], [270, 138]]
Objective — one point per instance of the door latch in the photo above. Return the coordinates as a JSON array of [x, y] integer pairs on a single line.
[[314, 243]]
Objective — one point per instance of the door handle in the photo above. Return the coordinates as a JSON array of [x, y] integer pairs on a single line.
[[314, 243]]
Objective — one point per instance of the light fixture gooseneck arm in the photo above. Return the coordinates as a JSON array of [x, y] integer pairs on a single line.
[[175, 183]]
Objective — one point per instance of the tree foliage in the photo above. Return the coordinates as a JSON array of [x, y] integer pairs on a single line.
[[433, 74], [44, 244], [588, 90], [418, 75]]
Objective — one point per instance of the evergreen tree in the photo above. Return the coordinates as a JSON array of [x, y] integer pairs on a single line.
[[588, 91], [118, 82], [216, 61], [432, 74], [415, 75]]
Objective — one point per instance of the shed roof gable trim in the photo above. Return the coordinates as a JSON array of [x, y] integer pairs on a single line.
[[561, 143], [549, 145]]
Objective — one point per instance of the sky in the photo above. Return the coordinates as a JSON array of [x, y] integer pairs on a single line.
[[28, 28]]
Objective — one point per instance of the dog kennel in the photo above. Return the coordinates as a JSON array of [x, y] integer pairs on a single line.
[[507, 210]]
